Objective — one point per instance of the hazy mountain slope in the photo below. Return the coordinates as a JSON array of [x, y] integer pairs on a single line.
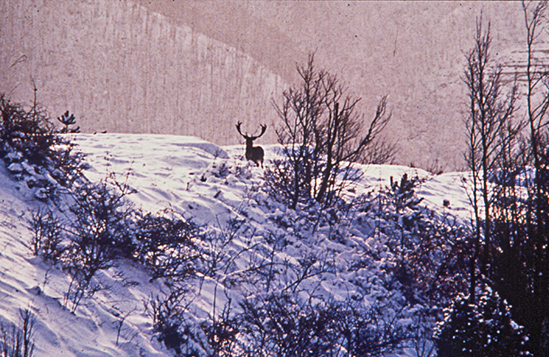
[[414, 52], [196, 67], [121, 67]]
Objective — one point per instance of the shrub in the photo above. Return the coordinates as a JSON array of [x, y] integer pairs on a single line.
[[321, 135], [102, 221], [279, 325], [17, 341], [164, 244], [221, 334], [102, 227], [169, 323], [215, 336], [483, 328], [33, 151], [28, 132], [99, 234], [431, 250], [97, 231], [47, 235]]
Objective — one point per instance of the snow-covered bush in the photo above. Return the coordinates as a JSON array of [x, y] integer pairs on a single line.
[[28, 132], [33, 150], [279, 325], [98, 232], [90, 234], [215, 336], [326, 281], [17, 340], [47, 235], [100, 228], [484, 328], [164, 244], [431, 250], [220, 334], [168, 314]]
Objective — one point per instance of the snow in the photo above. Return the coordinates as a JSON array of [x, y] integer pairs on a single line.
[[210, 185]]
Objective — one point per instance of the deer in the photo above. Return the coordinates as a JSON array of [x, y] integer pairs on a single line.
[[254, 153]]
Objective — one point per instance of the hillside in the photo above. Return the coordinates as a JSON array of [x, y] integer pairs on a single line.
[[215, 188]]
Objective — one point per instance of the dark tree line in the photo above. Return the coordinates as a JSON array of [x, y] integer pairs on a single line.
[[508, 155]]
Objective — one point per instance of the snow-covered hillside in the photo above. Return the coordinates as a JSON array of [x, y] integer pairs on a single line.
[[248, 233]]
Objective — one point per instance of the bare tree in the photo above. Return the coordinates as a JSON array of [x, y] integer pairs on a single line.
[[520, 249], [510, 195], [489, 129], [322, 135], [532, 298], [379, 152]]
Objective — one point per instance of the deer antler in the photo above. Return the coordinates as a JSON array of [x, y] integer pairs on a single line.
[[263, 128], [246, 136], [240, 132]]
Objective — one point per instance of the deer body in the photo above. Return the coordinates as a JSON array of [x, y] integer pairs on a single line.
[[253, 153]]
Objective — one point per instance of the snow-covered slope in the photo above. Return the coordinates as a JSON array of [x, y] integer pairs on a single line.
[[211, 186]]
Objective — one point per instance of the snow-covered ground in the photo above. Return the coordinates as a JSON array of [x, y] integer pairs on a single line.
[[208, 184]]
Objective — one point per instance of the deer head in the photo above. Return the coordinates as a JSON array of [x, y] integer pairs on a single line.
[[254, 153]]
